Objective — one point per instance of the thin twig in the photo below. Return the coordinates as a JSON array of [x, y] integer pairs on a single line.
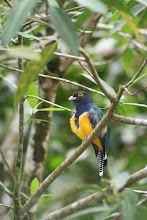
[[7, 206], [84, 68], [69, 56], [75, 8], [135, 93], [11, 68], [7, 164], [4, 189], [141, 201], [73, 83], [96, 77], [51, 103], [8, 3]]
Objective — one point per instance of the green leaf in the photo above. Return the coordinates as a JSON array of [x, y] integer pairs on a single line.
[[33, 69], [129, 205], [49, 109], [53, 3], [16, 17], [131, 24], [24, 52], [118, 4], [127, 58], [120, 110], [29, 36], [32, 91], [139, 78], [144, 2], [135, 11], [92, 187], [93, 5], [83, 17], [34, 186], [109, 88], [65, 28]]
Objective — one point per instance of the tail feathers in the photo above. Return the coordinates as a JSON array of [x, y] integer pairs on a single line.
[[102, 162], [105, 160]]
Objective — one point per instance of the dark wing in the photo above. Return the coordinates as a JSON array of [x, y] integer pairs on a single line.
[[94, 119]]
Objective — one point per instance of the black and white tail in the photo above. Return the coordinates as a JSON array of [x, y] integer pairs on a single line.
[[102, 162]]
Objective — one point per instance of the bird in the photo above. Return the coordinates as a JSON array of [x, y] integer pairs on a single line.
[[83, 122]]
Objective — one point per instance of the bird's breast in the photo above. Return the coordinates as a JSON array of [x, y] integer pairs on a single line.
[[83, 128]]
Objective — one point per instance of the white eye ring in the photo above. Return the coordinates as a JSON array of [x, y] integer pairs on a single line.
[[80, 94]]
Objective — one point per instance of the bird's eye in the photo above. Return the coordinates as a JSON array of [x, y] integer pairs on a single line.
[[80, 94]]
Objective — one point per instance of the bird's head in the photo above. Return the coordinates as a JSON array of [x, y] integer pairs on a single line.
[[80, 98]]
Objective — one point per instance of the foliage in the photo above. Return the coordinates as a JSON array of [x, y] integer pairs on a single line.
[[35, 36]]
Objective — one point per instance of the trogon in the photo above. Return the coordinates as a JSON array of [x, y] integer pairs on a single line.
[[82, 123]]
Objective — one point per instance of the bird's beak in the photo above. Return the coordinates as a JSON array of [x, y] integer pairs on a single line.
[[71, 98]]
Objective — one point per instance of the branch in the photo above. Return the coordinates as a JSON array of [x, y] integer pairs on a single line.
[[73, 83], [10, 68], [51, 103], [128, 120], [4, 189], [96, 76], [94, 198], [69, 56], [7, 164], [135, 93], [41, 189], [75, 8]]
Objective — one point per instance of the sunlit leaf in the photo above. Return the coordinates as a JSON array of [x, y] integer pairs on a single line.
[[129, 205], [127, 58], [93, 5], [53, 3], [33, 69], [120, 110], [18, 14], [32, 91], [131, 24], [135, 11], [34, 186], [65, 28], [24, 52], [139, 78], [144, 2]]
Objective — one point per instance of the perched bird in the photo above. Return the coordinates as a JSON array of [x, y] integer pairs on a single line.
[[83, 122]]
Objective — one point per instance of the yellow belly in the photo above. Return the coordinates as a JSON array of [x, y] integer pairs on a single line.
[[85, 128]]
